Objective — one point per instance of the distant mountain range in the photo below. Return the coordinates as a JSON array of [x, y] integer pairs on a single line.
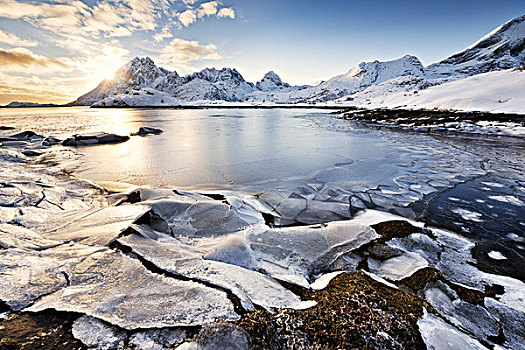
[[16, 104], [141, 83]]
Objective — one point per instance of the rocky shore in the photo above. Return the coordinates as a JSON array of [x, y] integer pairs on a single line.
[[442, 121]]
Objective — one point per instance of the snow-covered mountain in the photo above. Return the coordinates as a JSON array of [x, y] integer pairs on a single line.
[[271, 82], [136, 74], [503, 48], [141, 82], [211, 84], [356, 79]]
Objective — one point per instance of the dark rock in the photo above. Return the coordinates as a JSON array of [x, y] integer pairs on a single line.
[[3, 127], [50, 141], [24, 135], [147, 130], [94, 139], [31, 153], [44, 330]]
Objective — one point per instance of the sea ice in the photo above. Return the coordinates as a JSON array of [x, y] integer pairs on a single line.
[[438, 335], [249, 286], [496, 255], [508, 199], [399, 267], [25, 277], [157, 339], [97, 334], [468, 214], [97, 227], [119, 290]]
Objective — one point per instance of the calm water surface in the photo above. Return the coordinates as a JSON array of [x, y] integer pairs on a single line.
[[215, 148]]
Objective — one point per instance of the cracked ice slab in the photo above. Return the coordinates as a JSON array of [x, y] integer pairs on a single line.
[[98, 227], [399, 267], [120, 290], [24, 277], [249, 286], [14, 236], [438, 335], [293, 254]]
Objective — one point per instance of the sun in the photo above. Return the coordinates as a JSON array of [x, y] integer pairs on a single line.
[[108, 74]]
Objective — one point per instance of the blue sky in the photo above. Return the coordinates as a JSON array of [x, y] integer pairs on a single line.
[[54, 50]]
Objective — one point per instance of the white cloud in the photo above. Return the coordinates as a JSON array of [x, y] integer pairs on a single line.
[[187, 17], [207, 9], [13, 40], [226, 12], [179, 53], [165, 34], [86, 32]]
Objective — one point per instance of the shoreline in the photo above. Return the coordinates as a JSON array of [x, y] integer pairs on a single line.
[[344, 108]]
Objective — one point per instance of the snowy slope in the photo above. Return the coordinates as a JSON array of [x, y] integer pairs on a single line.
[[500, 91], [503, 48]]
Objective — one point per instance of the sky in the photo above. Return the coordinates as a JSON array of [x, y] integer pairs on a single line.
[[52, 51]]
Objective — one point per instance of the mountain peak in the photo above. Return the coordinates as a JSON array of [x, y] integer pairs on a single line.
[[503, 48], [271, 81]]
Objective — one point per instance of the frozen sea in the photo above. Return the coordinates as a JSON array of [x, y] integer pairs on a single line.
[[226, 204], [310, 165]]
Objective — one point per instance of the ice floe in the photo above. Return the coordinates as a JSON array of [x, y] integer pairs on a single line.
[[98, 335], [438, 335], [496, 255], [508, 199], [121, 291]]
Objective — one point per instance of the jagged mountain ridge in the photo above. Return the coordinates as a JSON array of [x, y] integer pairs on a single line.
[[209, 84], [501, 49]]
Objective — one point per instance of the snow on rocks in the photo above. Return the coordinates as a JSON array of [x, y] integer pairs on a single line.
[[271, 81], [469, 94]]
